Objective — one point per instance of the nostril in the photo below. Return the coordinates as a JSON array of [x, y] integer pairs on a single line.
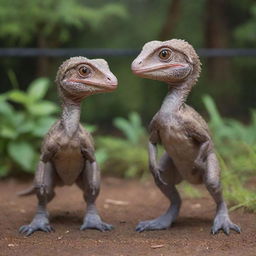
[[140, 62], [108, 78]]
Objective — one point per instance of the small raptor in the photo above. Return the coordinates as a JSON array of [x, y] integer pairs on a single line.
[[67, 153], [189, 150]]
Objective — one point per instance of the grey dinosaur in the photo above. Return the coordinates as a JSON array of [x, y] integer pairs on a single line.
[[189, 150], [67, 153]]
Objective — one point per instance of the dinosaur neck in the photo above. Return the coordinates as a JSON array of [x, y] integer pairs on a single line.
[[70, 116], [175, 98]]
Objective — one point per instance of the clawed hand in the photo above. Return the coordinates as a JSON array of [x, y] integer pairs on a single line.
[[156, 172], [200, 163]]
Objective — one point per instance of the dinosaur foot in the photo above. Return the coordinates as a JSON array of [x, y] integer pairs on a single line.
[[41, 224], [93, 221], [222, 222], [162, 222]]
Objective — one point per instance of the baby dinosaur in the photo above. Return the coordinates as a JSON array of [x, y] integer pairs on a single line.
[[181, 130], [67, 154]]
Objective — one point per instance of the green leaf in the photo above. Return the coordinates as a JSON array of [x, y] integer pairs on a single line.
[[42, 126], [26, 127], [5, 108], [38, 88], [101, 156], [127, 129], [22, 153], [8, 132], [212, 110], [90, 128], [18, 97], [43, 108]]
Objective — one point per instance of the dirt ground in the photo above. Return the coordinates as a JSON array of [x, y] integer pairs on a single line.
[[190, 235]]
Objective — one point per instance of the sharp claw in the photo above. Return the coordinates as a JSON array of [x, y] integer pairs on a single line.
[[236, 228], [226, 231], [141, 228], [22, 229], [94, 222], [137, 229], [50, 229], [101, 229], [25, 230], [28, 232], [225, 225], [108, 227], [214, 231], [47, 229]]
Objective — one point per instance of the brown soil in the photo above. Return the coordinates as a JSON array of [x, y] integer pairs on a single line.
[[190, 235]]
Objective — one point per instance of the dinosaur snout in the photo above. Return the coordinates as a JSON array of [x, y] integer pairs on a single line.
[[112, 81], [136, 65]]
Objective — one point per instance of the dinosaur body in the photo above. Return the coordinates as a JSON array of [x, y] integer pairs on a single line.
[[67, 154], [181, 130], [177, 143]]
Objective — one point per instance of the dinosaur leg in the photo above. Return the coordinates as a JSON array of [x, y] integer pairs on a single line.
[[169, 174], [89, 182], [44, 184], [212, 182]]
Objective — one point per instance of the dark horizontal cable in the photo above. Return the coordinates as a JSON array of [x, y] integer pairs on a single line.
[[67, 52], [227, 52]]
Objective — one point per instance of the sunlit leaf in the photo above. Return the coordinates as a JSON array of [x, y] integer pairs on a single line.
[[22, 153], [19, 97], [38, 88], [43, 108], [42, 126]]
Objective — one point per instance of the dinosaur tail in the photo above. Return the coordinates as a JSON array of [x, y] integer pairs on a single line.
[[29, 191]]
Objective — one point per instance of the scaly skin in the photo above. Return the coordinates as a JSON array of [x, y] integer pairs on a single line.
[[67, 154], [181, 130]]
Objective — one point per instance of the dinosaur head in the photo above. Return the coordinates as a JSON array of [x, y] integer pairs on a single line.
[[79, 77], [172, 61]]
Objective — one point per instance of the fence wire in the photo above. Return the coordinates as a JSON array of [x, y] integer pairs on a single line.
[[108, 52]]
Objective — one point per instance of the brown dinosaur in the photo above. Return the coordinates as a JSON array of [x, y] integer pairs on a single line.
[[181, 130], [67, 154]]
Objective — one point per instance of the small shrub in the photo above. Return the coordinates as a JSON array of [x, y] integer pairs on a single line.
[[236, 147], [22, 129], [127, 156]]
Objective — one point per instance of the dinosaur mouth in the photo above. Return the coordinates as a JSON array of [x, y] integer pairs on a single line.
[[164, 66], [111, 85]]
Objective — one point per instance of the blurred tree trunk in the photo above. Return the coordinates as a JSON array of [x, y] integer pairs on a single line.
[[217, 36], [42, 61], [172, 17]]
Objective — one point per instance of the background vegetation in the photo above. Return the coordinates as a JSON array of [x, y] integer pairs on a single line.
[[29, 104]]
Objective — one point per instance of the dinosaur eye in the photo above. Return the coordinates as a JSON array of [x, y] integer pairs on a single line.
[[84, 71], [165, 54]]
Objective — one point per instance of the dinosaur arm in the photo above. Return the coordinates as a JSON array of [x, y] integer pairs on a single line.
[[49, 149], [152, 145], [88, 153], [202, 137], [87, 146], [152, 153]]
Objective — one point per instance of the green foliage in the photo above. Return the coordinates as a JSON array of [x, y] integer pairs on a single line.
[[247, 32], [190, 190], [125, 156], [52, 20], [21, 130], [236, 146], [132, 127]]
